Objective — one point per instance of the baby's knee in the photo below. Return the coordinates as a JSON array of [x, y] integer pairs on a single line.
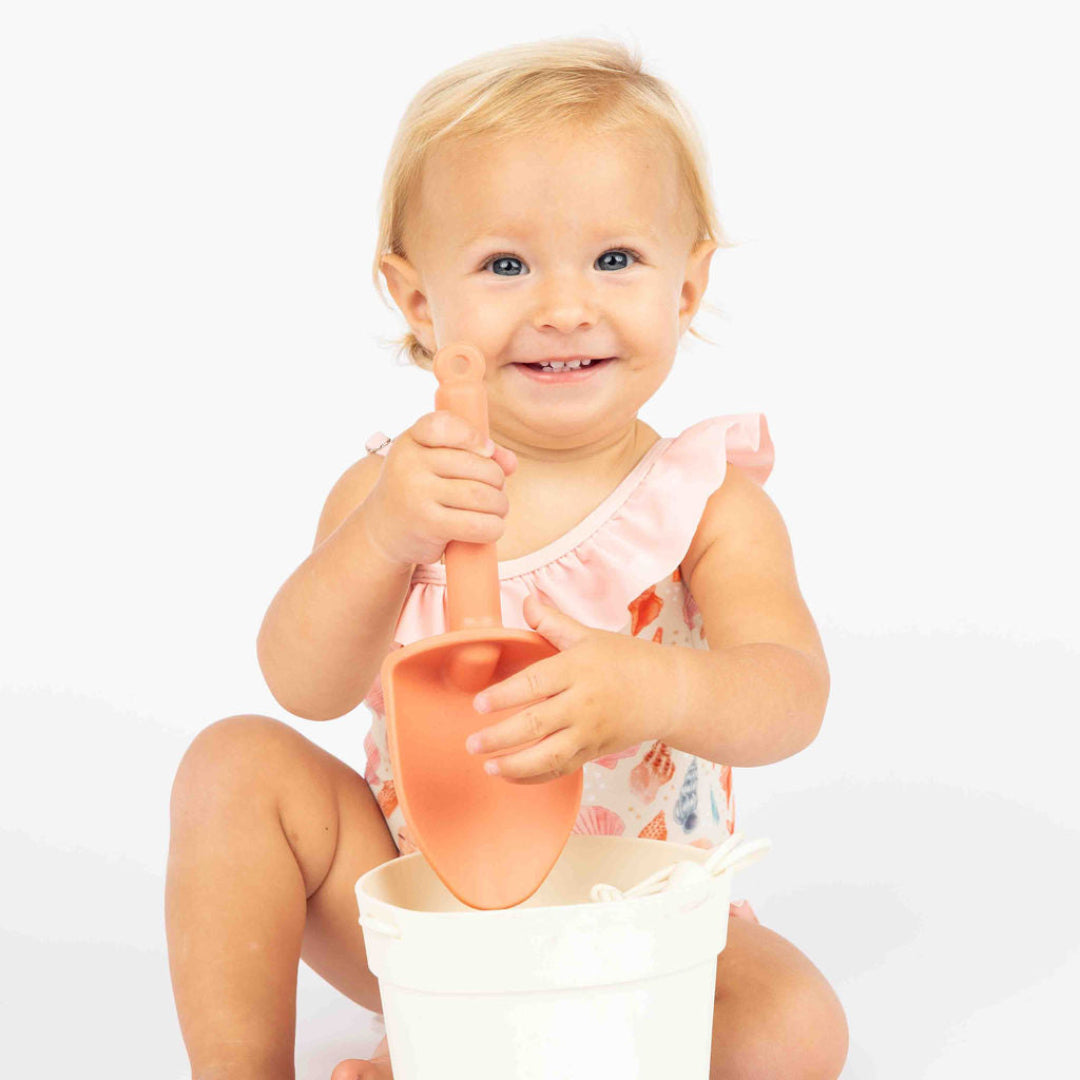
[[226, 757], [810, 1030], [793, 1026], [824, 1030]]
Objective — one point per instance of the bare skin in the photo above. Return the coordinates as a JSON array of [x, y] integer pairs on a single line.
[[270, 834]]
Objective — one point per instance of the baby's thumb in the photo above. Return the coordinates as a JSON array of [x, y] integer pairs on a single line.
[[505, 459]]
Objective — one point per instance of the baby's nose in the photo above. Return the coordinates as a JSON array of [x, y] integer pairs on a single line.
[[566, 304]]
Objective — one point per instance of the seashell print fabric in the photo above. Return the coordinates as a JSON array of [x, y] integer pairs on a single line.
[[652, 790]]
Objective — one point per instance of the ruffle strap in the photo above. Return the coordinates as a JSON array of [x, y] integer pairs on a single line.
[[640, 543]]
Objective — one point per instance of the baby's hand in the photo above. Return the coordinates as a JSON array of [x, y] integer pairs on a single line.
[[439, 483], [600, 694]]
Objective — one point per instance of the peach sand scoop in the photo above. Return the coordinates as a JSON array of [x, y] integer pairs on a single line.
[[491, 841]]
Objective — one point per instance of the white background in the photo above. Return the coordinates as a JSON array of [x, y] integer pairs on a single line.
[[193, 352]]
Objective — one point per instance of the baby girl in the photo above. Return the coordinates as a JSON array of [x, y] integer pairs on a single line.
[[548, 204]]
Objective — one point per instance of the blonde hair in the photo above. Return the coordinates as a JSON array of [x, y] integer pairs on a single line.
[[535, 88]]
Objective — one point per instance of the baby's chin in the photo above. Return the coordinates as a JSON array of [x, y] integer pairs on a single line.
[[524, 427], [573, 393]]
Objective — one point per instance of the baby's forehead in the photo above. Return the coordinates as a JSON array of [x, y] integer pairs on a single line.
[[501, 161], [610, 183]]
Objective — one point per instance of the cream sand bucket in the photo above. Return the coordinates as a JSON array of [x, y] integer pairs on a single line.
[[607, 970]]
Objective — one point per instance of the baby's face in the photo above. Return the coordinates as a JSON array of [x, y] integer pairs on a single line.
[[570, 245]]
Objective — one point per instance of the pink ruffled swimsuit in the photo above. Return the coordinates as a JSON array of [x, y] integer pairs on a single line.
[[617, 570]]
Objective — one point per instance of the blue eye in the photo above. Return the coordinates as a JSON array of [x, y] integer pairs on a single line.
[[616, 251], [503, 265], [501, 260]]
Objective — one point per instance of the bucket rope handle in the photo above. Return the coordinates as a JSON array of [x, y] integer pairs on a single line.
[[729, 856]]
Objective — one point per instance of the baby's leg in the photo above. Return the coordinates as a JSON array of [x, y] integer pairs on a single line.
[[269, 834], [775, 1014]]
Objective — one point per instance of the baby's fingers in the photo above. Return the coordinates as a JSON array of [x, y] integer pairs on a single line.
[[557, 755], [540, 680], [517, 730], [444, 428]]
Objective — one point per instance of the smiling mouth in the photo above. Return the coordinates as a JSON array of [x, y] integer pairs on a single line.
[[575, 365]]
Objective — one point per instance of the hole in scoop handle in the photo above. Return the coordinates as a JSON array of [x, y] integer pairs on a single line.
[[472, 571]]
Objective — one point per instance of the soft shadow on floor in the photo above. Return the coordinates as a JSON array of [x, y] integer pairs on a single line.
[[329, 1028], [944, 902]]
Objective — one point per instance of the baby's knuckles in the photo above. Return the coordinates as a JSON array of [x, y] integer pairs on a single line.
[[559, 763], [410, 520], [444, 428], [402, 518]]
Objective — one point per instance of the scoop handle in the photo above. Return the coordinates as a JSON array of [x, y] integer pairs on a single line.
[[472, 571]]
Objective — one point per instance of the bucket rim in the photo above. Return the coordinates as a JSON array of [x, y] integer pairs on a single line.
[[520, 911]]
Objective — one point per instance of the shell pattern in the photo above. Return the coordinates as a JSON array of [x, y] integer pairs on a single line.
[[685, 811]]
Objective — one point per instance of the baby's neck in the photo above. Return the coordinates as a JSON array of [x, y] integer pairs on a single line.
[[549, 494], [608, 459]]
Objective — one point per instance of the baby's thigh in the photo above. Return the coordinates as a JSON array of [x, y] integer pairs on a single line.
[[333, 943], [251, 767]]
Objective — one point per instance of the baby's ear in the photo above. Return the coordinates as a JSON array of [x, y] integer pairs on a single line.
[[696, 280], [404, 284]]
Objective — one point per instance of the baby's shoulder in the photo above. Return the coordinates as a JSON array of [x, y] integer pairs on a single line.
[[737, 514], [350, 489]]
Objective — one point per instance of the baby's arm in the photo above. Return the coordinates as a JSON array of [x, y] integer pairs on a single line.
[[327, 630], [331, 624], [758, 694]]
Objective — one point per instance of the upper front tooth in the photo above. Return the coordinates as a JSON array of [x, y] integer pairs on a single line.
[[573, 364]]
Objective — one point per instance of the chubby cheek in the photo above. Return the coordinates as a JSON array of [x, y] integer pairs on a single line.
[[481, 324], [650, 327]]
